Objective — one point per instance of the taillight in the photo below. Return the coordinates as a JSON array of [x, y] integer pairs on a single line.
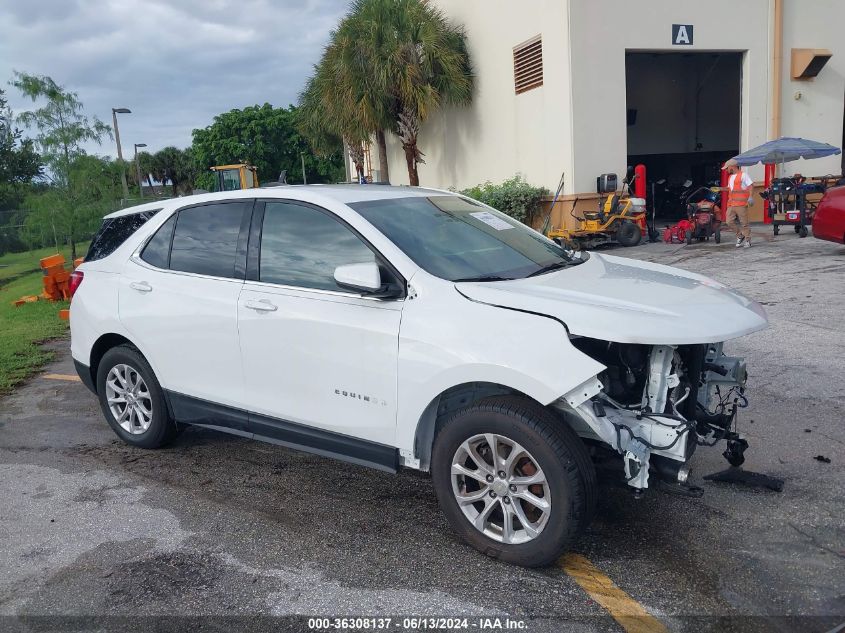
[[75, 281]]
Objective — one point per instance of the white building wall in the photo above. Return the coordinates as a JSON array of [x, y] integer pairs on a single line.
[[603, 30], [502, 133], [576, 122], [818, 114]]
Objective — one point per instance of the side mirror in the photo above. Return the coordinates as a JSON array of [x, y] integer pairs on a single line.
[[365, 278]]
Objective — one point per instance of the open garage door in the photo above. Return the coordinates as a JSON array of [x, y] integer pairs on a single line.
[[683, 120]]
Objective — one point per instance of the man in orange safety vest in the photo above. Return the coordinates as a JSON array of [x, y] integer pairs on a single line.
[[740, 189]]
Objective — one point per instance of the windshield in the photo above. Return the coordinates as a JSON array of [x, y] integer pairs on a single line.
[[462, 240]]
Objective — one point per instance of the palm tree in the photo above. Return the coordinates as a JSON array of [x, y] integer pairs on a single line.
[[158, 169], [176, 166], [389, 66], [327, 109], [145, 159]]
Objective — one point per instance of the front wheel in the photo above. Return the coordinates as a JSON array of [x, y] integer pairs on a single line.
[[628, 234], [513, 480], [717, 236], [132, 400], [803, 232]]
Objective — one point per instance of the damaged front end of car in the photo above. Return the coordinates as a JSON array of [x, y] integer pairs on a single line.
[[654, 404]]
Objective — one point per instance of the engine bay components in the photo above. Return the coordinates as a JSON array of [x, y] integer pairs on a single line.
[[654, 404]]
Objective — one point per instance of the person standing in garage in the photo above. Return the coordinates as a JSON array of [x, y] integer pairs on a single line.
[[740, 189]]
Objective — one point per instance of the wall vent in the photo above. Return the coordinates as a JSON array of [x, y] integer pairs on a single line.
[[528, 65]]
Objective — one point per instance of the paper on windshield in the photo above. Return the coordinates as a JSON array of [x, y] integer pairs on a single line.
[[491, 220]]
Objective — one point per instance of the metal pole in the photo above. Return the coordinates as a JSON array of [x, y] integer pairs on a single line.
[[304, 179], [138, 168], [120, 154]]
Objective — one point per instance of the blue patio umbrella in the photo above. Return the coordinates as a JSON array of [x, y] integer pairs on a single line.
[[785, 149]]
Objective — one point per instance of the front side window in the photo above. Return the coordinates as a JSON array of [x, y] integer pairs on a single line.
[[461, 240], [302, 246], [205, 239]]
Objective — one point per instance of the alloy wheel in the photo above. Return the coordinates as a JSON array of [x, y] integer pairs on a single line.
[[500, 488], [129, 399]]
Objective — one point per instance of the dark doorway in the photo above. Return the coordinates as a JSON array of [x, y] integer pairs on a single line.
[[683, 115]]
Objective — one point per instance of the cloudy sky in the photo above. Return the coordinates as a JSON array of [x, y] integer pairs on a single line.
[[175, 63]]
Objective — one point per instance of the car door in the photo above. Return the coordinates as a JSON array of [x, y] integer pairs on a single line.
[[178, 299], [314, 354]]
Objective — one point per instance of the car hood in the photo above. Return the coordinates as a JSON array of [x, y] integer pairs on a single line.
[[629, 301]]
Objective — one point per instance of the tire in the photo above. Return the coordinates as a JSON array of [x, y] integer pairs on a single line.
[[776, 229], [804, 232], [569, 479], [797, 228], [137, 428], [717, 236], [689, 237], [628, 234], [573, 244]]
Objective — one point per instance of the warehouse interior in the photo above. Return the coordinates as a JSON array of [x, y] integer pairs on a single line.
[[683, 120]]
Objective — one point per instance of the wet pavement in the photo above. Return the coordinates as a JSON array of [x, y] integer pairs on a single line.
[[232, 531]]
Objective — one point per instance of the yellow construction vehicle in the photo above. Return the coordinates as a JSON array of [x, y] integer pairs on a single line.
[[620, 218], [234, 177]]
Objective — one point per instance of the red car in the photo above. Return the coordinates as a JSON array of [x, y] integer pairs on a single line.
[[829, 221]]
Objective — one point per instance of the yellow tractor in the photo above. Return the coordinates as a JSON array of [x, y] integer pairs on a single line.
[[620, 218], [234, 177]]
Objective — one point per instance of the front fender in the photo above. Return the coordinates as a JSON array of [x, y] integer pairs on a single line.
[[447, 340]]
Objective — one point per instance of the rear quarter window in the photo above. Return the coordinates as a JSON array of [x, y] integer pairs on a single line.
[[114, 232]]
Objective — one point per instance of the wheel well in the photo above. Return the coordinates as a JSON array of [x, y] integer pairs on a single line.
[[442, 405], [99, 349]]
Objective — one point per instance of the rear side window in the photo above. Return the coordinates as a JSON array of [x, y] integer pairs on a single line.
[[205, 240], [114, 232], [157, 250]]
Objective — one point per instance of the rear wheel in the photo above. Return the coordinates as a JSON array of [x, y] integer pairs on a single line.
[[797, 228], [717, 236], [513, 480], [776, 229], [132, 400], [628, 234], [803, 232], [689, 237]]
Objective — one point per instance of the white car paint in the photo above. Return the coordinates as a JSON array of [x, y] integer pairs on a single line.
[[189, 326], [204, 337], [312, 357], [629, 301], [447, 340]]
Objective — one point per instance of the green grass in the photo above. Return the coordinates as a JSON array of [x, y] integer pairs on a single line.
[[14, 264], [23, 328]]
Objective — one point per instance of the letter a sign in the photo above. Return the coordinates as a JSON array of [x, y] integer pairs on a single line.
[[682, 34]]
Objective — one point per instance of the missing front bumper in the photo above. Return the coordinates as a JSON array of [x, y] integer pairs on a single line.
[[696, 390]]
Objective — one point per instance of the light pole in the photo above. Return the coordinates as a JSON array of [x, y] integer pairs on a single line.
[[304, 179], [114, 113], [138, 168]]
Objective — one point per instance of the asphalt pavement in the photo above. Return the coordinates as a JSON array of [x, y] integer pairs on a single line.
[[220, 533]]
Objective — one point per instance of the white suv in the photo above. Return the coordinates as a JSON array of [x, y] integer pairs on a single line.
[[404, 327]]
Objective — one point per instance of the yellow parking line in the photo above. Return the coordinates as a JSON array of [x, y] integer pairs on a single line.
[[629, 613], [67, 377]]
